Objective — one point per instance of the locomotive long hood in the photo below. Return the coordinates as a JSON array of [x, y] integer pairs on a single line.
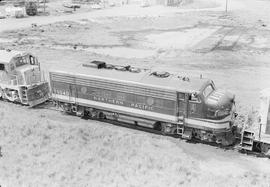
[[220, 99]]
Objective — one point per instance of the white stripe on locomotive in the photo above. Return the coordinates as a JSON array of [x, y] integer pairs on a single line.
[[196, 123]]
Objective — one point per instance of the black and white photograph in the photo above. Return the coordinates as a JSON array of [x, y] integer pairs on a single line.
[[134, 93]]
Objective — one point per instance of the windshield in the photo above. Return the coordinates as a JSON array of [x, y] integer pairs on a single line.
[[22, 60], [208, 90]]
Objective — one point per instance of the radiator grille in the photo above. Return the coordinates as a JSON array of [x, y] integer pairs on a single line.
[[114, 85]]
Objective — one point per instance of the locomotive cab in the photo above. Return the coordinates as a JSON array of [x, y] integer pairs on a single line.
[[20, 78], [26, 68], [211, 103], [214, 111]]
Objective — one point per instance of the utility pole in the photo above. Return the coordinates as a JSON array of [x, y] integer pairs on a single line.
[[260, 130], [226, 6]]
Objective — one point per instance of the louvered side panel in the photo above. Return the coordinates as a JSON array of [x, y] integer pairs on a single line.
[[116, 86]]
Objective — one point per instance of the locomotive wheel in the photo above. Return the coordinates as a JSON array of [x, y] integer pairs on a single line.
[[7, 94], [158, 126], [265, 149], [101, 115], [85, 114], [226, 139]]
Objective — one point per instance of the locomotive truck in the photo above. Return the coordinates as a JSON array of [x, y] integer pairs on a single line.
[[191, 107], [20, 78]]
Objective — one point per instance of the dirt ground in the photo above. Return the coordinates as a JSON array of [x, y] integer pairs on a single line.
[[46, 148]]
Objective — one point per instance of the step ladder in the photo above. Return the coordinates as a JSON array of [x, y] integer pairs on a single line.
[[180, 130], [247, 140]]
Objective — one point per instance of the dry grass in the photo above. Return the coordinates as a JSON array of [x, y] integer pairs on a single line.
[[45, 148]]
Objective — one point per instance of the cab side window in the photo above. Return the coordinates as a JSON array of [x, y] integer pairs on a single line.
[[2, 67], [194, 98]]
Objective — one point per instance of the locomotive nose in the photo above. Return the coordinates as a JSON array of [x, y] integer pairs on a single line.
[[220, 103], [221, 99], [227, 100]]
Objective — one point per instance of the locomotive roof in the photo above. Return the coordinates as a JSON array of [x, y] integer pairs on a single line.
[[6, 56], [144, 77]]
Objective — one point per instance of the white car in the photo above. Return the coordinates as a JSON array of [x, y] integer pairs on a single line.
[[96, 6]]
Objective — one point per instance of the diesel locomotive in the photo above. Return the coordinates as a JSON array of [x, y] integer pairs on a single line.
[[191, 107], [20, 78]]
